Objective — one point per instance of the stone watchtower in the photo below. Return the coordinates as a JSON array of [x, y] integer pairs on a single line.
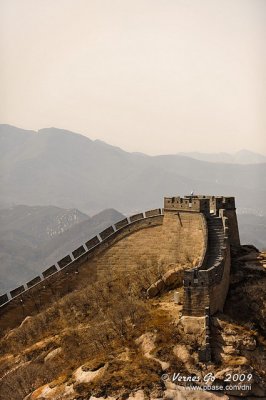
[[208, 205]]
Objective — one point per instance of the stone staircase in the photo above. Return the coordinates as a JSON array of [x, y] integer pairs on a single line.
[[215, 241], [198, 280]]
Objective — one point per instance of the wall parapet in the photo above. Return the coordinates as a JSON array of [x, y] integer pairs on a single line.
[[200, 203], [79, 255], [192, 204]]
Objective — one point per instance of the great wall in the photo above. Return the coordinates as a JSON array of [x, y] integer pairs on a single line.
[[202, 228]]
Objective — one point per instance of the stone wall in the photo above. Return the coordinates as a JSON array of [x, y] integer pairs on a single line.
[[151, 239], [143, 240]]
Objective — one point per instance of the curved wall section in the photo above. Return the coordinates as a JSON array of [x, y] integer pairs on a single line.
[[177, 239], [142, 240]]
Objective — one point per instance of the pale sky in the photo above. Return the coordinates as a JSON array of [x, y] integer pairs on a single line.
[[156, 76]]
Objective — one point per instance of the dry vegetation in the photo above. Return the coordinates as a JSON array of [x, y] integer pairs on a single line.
[[101, 324], [93, 325]]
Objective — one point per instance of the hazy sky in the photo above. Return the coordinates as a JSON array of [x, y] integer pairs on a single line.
[[157, 76]]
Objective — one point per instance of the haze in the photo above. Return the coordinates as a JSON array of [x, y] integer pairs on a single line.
[[156, 76]]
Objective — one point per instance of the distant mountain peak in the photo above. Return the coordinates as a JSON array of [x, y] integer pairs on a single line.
[[62, 132], [242, 156]]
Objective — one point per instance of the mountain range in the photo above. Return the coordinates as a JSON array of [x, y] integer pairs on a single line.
[[71, 177], [68, 170]]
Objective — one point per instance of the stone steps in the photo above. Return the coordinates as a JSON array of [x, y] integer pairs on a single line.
[[215, 241]]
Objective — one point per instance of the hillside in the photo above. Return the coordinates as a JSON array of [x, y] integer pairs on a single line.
[[95, 343], [33, 238], [72, 171]]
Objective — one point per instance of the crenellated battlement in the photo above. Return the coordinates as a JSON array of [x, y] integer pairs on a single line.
[[192, 204], [199, 203]]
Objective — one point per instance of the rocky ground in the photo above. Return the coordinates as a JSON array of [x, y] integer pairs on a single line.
[[151, 356]]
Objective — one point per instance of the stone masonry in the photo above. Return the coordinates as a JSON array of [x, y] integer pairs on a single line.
[[193, 229]]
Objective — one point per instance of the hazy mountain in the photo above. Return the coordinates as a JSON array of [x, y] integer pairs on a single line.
[[33, 238], [240, 157], [78, 234], [41, 223], [252, 230], [69, 170]]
